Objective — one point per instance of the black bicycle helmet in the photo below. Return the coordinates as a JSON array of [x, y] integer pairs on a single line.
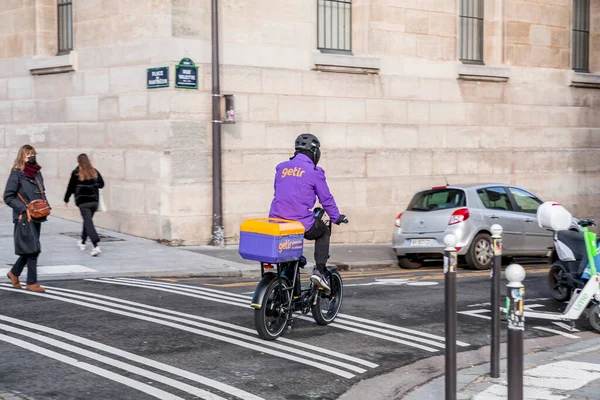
[[308, 144]]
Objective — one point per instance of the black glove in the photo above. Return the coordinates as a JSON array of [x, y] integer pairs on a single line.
[[342, 220]]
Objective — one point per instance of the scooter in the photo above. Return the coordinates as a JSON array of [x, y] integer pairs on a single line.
[[554, 217], [570, 261]]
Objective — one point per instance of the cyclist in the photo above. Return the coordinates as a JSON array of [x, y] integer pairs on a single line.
[[297, 183]]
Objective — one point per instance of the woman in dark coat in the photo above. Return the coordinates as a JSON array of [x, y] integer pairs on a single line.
[[85, 183], [25, 179]]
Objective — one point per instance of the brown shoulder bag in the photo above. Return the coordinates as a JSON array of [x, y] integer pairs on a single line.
[[37, 209]]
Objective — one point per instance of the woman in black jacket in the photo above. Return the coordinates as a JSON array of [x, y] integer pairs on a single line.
[[26, 180], [85, 184]]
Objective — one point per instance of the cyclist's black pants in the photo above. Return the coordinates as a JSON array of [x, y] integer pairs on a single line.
[[320, 234]]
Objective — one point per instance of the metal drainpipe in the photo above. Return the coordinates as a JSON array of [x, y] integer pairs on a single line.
[[218, 234]]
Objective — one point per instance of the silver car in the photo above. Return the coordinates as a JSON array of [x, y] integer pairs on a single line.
[[468, 211]]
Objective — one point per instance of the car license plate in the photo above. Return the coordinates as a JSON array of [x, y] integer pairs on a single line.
[[421, 242]]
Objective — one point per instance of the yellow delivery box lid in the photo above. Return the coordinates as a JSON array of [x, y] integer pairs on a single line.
[[272, 226]]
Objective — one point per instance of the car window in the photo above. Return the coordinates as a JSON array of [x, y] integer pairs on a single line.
[[526, 201], [495, 198], [437, 199]]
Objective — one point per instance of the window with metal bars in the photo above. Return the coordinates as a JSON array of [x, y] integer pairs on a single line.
[[581, 35], [471, 31], [334, 25], [65, 26]]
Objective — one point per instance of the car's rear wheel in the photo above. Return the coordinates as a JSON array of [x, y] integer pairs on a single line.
[[480, 253], [410, 262]]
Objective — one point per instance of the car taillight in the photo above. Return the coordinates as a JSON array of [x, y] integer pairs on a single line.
[[458, 216], [398, 222]]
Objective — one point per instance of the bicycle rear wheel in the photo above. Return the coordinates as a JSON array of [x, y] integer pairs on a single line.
[[271, 319], [328, 304]]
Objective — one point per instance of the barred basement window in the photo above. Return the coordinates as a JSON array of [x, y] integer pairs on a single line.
[[471, 31], [65, 26], [334, 25], [581, 35]]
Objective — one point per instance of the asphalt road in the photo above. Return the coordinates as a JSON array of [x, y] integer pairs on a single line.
[[195, 338]]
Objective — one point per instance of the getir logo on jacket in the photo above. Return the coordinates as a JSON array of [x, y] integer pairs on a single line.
[[298, 172]]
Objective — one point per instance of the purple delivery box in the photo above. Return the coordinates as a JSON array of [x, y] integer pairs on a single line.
[[271, 240]]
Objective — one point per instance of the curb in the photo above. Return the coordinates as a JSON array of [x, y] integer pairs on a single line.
[[365, 265]]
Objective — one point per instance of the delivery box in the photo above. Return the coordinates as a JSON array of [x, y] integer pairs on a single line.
[[271, 240]]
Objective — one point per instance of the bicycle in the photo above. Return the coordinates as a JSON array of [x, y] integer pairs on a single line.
[[276, 299]]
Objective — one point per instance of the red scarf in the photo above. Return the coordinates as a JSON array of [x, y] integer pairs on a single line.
[[31, 170]]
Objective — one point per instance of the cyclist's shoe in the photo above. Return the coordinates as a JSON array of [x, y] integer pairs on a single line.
[[319, 280]]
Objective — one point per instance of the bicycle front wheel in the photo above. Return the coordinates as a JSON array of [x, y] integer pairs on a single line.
[[328, 304], [271, 319]]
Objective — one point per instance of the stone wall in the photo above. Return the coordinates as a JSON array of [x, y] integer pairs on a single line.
[[411, 126], [103, 108]]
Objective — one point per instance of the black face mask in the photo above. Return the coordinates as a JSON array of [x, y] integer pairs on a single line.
[[31, 160]]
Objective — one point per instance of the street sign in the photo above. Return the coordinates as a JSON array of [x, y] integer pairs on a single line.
[[186, 74], [158, 78]]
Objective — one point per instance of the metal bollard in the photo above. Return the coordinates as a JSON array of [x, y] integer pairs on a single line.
[[495, 275], [516, 325], [450, 263]]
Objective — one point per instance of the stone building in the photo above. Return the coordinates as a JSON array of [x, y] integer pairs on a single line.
[[404, 94]]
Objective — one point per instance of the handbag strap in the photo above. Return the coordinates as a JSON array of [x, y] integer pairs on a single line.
[[22, 199], [41, 190], [26, 207]]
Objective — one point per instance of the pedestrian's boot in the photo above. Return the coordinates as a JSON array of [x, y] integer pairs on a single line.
[[14, 280], [35, 288]]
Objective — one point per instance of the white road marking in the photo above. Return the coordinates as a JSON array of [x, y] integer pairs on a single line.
[[139, 359], [476, 313], [526, 300], [390, 332], [398, 328], [56, 269], [204, 289], [377, 335], [142, 387], [114, 363], [394, 282], [163, 289], [543, 328], [261, 348], [565, 326], [224, 295], [225, 324]]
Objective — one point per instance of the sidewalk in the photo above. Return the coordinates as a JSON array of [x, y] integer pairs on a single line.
[[122, 255], [569, 372], [344, 256], [125, 255]]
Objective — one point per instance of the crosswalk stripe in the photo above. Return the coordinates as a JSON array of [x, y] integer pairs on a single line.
[[380, 336], [345, 319], [320, 350], [139, 359], [114, 363], [399, 328], [217, 329], [162, 289], [390, 332], [262, 348], [216, 291], [142, 387]]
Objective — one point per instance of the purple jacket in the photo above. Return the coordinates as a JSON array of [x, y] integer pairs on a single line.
[[297, 183]]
